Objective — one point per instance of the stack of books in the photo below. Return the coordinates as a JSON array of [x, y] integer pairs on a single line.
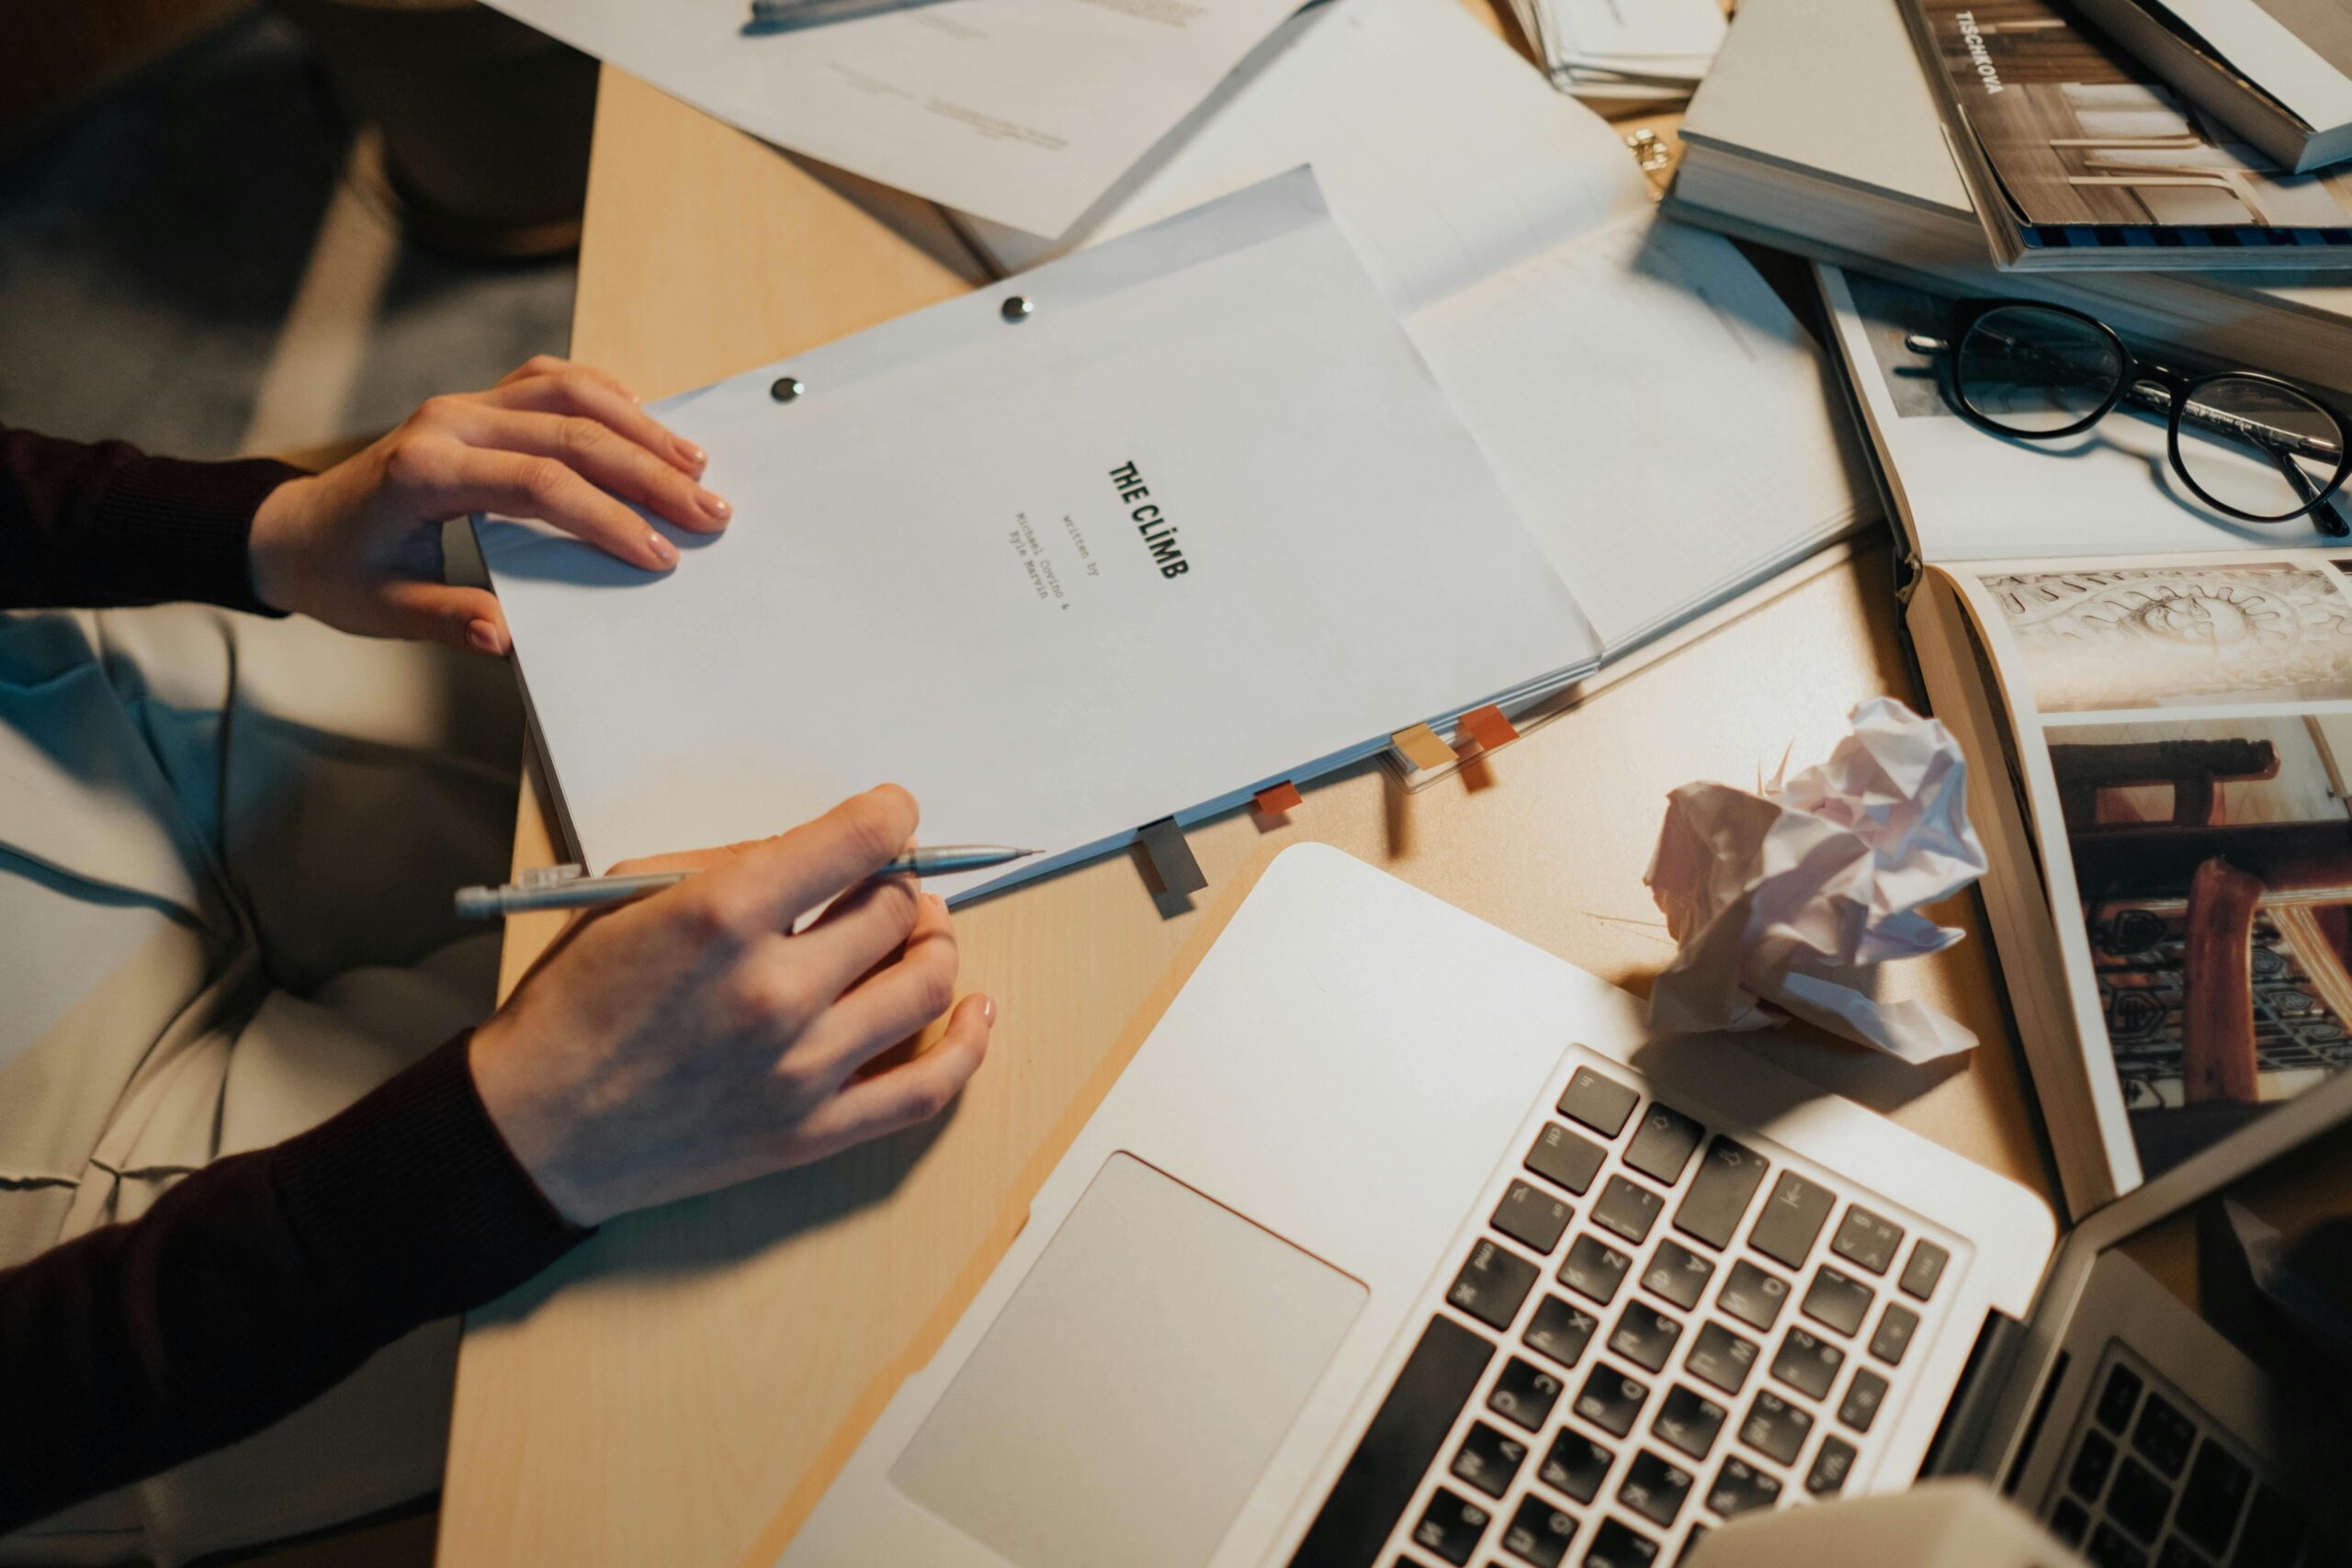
[[2154, 681]]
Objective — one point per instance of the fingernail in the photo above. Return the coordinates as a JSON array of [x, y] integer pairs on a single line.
[[719, 508], [663, 552], [693, 454], [987, 1010], [483, 637]]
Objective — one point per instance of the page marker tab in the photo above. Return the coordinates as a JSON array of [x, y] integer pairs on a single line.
[[1422, 746], [1489, 727], [1172, 857], [1275, 799]]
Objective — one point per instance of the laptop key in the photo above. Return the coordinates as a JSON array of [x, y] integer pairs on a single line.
[[2213, 1497], [1601, 1103], [2137, 1500], [1540, 1533], [1665, 1144], [1830, 1468], [1792, 1217], [1492, 1284], [1678, 1274], [1774, 1427], [1560, 1329], [2119, 1398], [1863, 1396], [2163, 1435], [1611, 1400], [1867, 1241], [1722, 1358], [1927, 1266], [1524, 1393], [1741, 1488], [1896, 1326], [1576, 1466], [1565, 1158], [2094, 1462], [1628, 1208], [1690, 1421], [1720, 1193], [1837, 1300], [1752, 1295], [1594, 1270], [1808, 1363], [2178, 1553], [1644, 1335], [1487, 1459], [1617, 1544], [1451, 1527], [2068, 1521], [2107, 1548], [1654, 1488], [1531, 1217], [1399, 1446]]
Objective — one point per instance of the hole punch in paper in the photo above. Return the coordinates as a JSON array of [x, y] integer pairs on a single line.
[[1172, 857]]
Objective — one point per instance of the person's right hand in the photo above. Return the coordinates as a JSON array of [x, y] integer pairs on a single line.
[[691, 1040]]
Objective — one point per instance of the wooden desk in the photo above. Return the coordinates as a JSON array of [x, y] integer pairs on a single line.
[[677, 1391]]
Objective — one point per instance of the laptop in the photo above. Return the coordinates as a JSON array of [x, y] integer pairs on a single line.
[[1401, 1245]]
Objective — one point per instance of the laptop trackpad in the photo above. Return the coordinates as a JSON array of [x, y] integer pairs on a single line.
[[1124, 1403]]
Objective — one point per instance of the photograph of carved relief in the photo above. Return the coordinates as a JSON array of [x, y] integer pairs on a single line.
[[2215, 862], [2127, 638]]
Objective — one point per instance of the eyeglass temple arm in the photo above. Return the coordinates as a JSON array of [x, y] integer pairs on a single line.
[[2156, 399]]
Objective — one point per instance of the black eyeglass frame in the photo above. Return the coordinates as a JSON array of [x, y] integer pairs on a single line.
[[2180, 388]]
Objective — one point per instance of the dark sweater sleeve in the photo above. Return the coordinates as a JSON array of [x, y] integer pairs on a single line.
[[255, 1284], [94, 525]]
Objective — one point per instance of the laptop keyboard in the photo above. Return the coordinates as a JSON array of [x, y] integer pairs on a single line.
[[2151, 1479], [1661, 1326]]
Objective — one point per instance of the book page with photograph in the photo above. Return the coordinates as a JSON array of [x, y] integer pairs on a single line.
[[2184, 728], [1970, 494]]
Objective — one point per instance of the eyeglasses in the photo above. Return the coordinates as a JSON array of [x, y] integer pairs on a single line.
[[2252, 446]]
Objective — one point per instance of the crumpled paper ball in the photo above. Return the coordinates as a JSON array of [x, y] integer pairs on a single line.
[[1775, 897]]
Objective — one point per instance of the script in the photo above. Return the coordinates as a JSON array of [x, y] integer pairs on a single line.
[[1198, 520]]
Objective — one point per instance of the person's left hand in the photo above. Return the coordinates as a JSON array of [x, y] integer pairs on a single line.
[[359, 546]]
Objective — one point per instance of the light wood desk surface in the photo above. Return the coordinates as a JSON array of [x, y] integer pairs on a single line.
[[678, 1390]]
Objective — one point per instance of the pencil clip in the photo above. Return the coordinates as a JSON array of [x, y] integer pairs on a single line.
[[549, 876]]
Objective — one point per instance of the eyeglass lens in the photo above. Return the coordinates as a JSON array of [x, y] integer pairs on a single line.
[[2256, 447], [2036, 372]]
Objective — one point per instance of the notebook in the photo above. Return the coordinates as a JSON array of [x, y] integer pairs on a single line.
[[1164, 523]]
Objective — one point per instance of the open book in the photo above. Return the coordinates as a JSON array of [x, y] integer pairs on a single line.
[[1664, 425], [2157, 702]]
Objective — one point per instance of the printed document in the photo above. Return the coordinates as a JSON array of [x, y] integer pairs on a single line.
[[1660, 419], [1023, 110], [1202, 521]]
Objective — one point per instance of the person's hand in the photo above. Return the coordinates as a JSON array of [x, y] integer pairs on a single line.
[[359, 546], [691, 1040]]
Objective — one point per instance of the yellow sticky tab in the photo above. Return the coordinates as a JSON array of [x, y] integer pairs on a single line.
[[1423, 748]]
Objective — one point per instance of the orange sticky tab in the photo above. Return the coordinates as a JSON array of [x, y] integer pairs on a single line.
[[1489, 727], [1275, 799], [1423, 748]]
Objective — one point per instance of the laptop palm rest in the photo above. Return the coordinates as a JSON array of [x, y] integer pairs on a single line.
[[1127, 1398]]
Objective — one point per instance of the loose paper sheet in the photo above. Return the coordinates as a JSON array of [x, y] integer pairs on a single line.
[[1777, 896], [1202, 523], [1021, 110]]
